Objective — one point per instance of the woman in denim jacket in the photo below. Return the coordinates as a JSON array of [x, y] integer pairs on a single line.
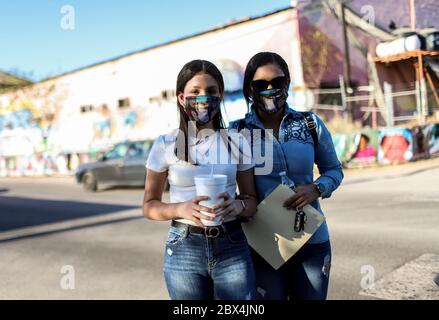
[[298, 141]]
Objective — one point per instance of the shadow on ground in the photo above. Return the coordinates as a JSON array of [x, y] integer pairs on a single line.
[[20, 212]]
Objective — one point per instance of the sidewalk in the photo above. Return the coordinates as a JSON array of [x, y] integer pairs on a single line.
[[389, 171], [350, 174]]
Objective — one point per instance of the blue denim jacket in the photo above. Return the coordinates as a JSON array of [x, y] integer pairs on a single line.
[[294, 154]]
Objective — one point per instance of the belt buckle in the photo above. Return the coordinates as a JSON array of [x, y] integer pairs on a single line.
[[215, 234]]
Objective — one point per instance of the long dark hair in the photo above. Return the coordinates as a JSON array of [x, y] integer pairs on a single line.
[[258, 60], [188, 71]]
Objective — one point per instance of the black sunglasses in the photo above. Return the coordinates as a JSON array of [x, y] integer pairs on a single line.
[[276, 83]]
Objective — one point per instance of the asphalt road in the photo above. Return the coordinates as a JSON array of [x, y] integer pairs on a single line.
[[380, 220]]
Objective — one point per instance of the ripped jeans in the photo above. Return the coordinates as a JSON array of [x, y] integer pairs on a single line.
[[201, 268], [304, 277]]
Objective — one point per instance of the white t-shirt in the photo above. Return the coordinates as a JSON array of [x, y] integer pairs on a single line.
[[210, 153]]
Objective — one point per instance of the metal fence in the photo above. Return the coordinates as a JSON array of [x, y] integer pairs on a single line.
[[395, 105]]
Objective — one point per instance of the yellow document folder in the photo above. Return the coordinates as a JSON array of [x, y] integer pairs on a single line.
[[271, 232]]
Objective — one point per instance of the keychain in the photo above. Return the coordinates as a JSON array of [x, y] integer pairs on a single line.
[[300, 220]]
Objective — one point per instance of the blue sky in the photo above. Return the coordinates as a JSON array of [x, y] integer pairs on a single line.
[[33, 43]]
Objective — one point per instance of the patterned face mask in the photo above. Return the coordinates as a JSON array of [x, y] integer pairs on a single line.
[[271, 101], [202, 109]]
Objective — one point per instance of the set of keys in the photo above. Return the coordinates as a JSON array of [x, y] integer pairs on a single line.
[[300, 218]]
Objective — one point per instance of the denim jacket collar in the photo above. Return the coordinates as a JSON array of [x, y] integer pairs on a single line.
[[252, 118]]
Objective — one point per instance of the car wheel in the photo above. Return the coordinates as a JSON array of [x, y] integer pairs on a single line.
[[89, 181]]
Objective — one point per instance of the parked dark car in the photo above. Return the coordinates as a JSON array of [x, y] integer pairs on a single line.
[[123, 165]]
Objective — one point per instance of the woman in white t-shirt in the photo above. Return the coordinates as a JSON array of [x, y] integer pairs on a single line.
[[202, 262]]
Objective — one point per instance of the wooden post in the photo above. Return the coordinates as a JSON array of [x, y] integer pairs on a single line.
[[433, 88], [346, 59], [417, 95], [374, 117], [422, 87], [389, 104], [343, 92], [412, 14]]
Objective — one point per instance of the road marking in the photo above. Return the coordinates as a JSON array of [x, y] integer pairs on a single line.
[[413, 281]]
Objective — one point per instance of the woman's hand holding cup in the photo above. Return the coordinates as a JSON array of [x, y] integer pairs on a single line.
[[191, 210], [230, 206]]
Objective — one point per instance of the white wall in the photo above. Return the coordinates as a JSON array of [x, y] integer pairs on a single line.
[[143, 75]]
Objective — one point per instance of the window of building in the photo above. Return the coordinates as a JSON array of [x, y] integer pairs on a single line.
[[86, 108], [168, 94], [123, 103]]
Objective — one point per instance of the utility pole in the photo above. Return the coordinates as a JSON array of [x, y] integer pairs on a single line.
[[301, 101], [412, 14], [346, 58]]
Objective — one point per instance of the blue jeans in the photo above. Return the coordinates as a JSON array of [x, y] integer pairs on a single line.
[[304, 277], [200, 268]]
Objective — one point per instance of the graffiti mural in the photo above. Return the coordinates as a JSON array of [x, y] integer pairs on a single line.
[[432, 134], [357, 149], [395, 145]]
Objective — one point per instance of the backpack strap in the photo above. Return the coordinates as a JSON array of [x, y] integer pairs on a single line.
[[312, 127]]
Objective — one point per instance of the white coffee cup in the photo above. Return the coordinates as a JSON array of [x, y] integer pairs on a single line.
[[210, 185]]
